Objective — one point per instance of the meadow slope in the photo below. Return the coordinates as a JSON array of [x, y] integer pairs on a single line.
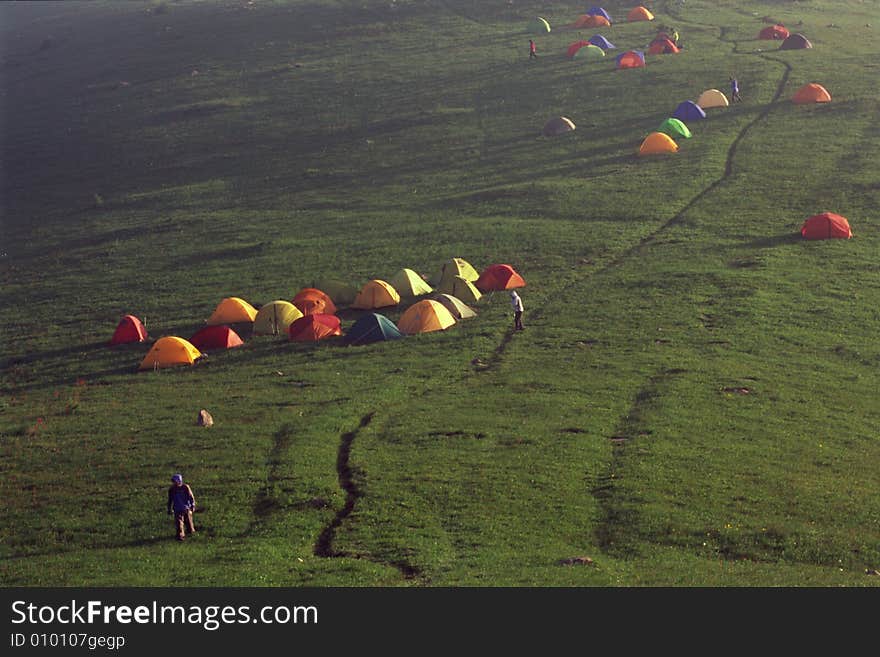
[[693, 401]]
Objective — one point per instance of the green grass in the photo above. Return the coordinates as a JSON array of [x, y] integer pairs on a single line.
[[691, 404]]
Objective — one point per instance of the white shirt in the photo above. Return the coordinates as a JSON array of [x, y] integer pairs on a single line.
[[516, 302]]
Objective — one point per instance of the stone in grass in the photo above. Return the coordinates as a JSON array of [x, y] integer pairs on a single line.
[[205, 419]]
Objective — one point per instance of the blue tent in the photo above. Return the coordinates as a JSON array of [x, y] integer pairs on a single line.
[[688, 111], [602, 42], [372, 327], [598, 11]]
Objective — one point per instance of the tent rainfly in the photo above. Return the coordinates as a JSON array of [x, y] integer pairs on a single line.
[[274, 318], [129, 329], [232, 310], [170, 351]]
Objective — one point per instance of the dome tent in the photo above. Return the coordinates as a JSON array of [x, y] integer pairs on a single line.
[[372, 327], [460, 288], [826, 225], [376, 294], [169, 352], [310, 328], [232, 310], [675, 128], [811, 93], [409, 284], [215, 337], [688, 111], [795, 42], [557, 126], [424, 317], [129, 329], [776, 32], [639, 14], [499, 277], [274, 318], [602, 42], [658, 142], [310, 300], [538, 25], [712, 98]]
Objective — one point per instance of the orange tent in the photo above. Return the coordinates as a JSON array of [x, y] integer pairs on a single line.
[[630, 59], [425, 316], [310, 328], [310, 300], [658, 142], [826, 226], [376, 294], [499, 277], [232, 310], [592, 21], [774, 32], [129, 329], [168, 352], [639, 14], [811, 93], [662, 47]]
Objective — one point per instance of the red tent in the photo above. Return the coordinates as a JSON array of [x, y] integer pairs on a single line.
[[310, 300], [774, 32], [215, 337], [573, 48], [499, 277], [314, 327], [826, 226], [129, 329]]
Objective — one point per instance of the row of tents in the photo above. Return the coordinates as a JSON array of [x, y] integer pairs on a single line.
[[594, 17], [311, 314]]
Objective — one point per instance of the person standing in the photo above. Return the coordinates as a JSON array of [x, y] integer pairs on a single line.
[[517, 304], [183, 503], [734, 90], [533, 50]]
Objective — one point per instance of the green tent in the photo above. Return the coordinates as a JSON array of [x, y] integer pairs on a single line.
[[456, 306], [674, 128], [538, 26], [275, 318], [341, 293], [409, 284], [589, 52]]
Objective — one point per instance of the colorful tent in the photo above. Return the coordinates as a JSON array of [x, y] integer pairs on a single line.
[[310, 328], [372, 327], [591, 21], [425, 316], [712, 98], [631, 59], [674, 128], [639, 14], [657, 142], [589, 52], [557, 126], [538, 26], [232, 310], [499, 277], [376, 294], [275, 318], [573, 48], [311, 300], [215, 337], [795, 42], [688, 111], [461, 288], [409, 284], [826, 226], [811, 93], [343, 294], [129, 329], [774, 32], [455, 267], [598, 11], [602, 42], [168, 352], [662, 46], [458, 308]]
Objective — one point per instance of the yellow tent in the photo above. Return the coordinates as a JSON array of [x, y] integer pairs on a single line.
[[456, 267], [458, 308], [168, 352], [461, 288], [376, 294], [712, 98], [658, 142], [425, 316], [232, 310], [275, 318], [409, 284]]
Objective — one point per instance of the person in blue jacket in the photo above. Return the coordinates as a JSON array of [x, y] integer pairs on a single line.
[[182, 503]]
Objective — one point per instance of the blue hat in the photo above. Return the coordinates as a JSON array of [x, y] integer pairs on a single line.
[[177, 479]]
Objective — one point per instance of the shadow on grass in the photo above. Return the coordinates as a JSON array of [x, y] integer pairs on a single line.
[[775, 240]]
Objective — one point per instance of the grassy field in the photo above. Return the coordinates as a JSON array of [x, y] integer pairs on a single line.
[[693, 401]]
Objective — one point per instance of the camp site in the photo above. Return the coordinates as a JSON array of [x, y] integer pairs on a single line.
[[274, 246]]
